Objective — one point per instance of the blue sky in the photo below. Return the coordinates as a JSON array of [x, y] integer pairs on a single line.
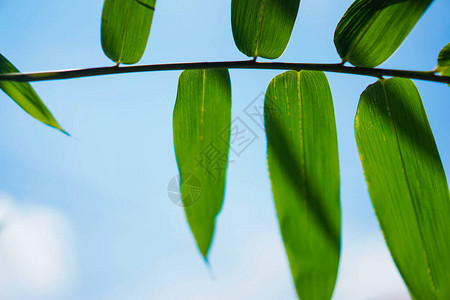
[[98, 201]]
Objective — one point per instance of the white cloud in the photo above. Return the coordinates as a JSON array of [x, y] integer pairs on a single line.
[[260, 271], [367, 272], [36, 253]]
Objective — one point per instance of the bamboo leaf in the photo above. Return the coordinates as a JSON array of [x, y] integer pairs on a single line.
[[201, 130], [443, 66], [24, 95], [125, 29], [303, 164], [407, 184], [371, 30], [263, 27]]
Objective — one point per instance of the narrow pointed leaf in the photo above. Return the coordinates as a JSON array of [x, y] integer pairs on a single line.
[[407, 184], [201, 130], [443, 65], [24, 95], [125, 29], [303, 164], [371, 30], [263, 27]]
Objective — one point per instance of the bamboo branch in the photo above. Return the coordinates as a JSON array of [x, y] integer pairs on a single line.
[[246, 64]]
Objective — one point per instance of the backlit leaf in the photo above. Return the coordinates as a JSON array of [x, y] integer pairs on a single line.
[[263, 27], [126, 28], [25, 96], [371, 30], [443, 65], [201, 130], [303, 163], [407, 184]]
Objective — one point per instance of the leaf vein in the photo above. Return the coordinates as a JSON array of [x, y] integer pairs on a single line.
[[302, 136], [258, 33], [365, 31]]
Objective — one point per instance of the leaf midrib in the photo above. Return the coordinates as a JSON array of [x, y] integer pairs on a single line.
[[302, 137], [124, 33], [258, 33]]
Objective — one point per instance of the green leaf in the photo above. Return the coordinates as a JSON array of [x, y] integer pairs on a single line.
[[371, 30], [126, 28], [201, 130], [443, 66], [303, 163], [407, 184], [24, 95], [263, 27]]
